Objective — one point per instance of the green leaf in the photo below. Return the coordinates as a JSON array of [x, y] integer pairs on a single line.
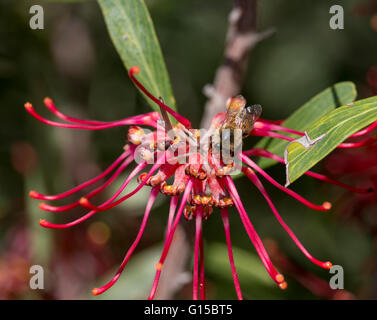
[[317, 107], [337, 126], [132, 32], [248, 265], [253, 277]]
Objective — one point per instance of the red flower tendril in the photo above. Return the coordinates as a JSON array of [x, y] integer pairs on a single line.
[[200, 183]]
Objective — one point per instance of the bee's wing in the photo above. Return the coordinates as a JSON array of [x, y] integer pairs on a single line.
[[255, 111]]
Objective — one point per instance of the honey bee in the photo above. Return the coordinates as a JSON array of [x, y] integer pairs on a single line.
[[238, 122]]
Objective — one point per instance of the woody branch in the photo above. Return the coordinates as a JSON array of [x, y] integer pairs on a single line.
[[241, 38]]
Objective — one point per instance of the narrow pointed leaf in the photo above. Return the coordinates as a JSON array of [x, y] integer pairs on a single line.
[[337, 126], [133, 34], [321, 104]]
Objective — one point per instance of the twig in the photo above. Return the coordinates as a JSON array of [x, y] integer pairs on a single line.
[[241, 39]]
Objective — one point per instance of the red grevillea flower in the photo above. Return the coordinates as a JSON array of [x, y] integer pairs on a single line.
[[202, 180]]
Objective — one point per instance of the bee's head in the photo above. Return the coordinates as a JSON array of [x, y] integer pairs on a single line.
[[236, 103]]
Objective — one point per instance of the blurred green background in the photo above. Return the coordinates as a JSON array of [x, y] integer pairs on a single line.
[[74, 62]]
